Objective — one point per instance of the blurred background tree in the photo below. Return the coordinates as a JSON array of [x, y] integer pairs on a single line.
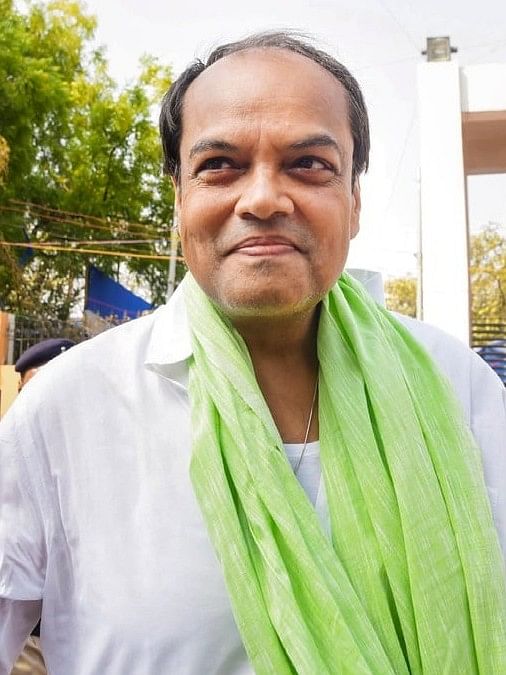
[[487, 275], [400, 295], [73, 142]]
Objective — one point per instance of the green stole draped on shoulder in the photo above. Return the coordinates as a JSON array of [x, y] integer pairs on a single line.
[[412, 580]]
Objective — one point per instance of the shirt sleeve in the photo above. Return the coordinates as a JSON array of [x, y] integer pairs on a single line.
[[488, 424], [17, 619], [22, 541]]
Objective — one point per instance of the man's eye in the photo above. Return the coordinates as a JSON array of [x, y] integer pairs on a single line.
[[312, 163], [216, 164]]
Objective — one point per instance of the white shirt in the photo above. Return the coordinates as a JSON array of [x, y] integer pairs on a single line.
[[98, 516], [309, 469]]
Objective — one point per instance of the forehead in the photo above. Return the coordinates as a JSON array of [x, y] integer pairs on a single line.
[[271, 87]]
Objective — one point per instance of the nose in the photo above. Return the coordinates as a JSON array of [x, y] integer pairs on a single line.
[[263, 196]]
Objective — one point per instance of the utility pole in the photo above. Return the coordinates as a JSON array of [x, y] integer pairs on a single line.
[[419, 259], [171, 282]]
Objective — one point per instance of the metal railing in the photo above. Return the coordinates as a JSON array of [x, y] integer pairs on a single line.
[[489, 341], [19, 332], [27, 331]]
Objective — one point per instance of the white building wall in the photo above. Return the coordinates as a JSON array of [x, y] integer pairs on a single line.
[[483, 87], [444, 244]]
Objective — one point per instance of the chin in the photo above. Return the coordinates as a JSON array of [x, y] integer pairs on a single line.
[[266, 302]]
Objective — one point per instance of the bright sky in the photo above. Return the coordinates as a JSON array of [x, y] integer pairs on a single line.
[[380, 42]]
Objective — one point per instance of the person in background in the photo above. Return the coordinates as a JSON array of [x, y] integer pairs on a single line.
[[31, 661], [38, 355]]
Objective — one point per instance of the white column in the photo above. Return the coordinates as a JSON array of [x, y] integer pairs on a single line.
[[445, 276]]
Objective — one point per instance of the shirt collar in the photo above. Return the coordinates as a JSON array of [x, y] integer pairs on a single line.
[[169, 346], [372, 282]]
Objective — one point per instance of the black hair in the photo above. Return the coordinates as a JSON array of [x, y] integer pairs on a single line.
[[171, 121]]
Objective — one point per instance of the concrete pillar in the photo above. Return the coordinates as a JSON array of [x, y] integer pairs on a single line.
[[444, 239]]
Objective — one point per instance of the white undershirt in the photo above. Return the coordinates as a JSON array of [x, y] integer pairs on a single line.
[[309, 471]]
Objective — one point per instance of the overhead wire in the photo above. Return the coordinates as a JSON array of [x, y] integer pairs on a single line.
[[55, 216], [415, 58], [75, 223], [407, 34], [51, 217], [401, 159], [103, 242], [68, 249], [75, 214], [401, 27], [88, 242], [74, 219]]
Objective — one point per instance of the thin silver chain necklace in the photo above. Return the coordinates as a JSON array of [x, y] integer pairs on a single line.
[[297, 467]]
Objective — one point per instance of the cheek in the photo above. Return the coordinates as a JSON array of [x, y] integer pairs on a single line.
[[331, 251], [194, 252], [198, 252], [201, 222]]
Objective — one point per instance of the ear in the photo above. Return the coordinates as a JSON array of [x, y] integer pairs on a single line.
[[355, 209]]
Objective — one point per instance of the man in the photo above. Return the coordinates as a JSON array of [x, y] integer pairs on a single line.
[[38, 355], [270, 474]]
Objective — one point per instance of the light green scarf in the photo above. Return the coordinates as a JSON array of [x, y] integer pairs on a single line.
[[413, 579]]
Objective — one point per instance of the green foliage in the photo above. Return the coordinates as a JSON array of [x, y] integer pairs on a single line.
[[487, 272], [77, 143], [400, 295], [488, 275]]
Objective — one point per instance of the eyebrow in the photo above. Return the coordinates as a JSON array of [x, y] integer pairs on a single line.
[[207, 144], [317, 140]]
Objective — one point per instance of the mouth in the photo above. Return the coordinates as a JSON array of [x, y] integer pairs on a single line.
[[265, 246]]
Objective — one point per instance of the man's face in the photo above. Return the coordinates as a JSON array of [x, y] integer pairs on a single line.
[[26, 376], [266, 201]]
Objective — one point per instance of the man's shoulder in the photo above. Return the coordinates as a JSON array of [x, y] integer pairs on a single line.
[[434, 339], [471, 378], [113, 349], [132, 332], [74, 378]]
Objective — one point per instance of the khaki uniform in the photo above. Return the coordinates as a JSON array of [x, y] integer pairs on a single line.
[[30, 661]]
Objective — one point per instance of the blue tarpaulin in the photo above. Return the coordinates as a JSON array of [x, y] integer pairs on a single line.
[[109, 298]]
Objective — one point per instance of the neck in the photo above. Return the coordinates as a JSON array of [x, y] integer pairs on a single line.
[[284, 356], [274, 339]]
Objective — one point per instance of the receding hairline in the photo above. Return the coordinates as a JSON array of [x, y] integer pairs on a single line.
[[263, 50]]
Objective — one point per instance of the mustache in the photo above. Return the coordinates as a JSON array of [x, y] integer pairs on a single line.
[[271, 231]]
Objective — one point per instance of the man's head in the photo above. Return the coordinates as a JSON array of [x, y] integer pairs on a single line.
[[265, 143], [38, 355]]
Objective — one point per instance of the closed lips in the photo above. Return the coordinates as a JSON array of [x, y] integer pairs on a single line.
[[265, 245]]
